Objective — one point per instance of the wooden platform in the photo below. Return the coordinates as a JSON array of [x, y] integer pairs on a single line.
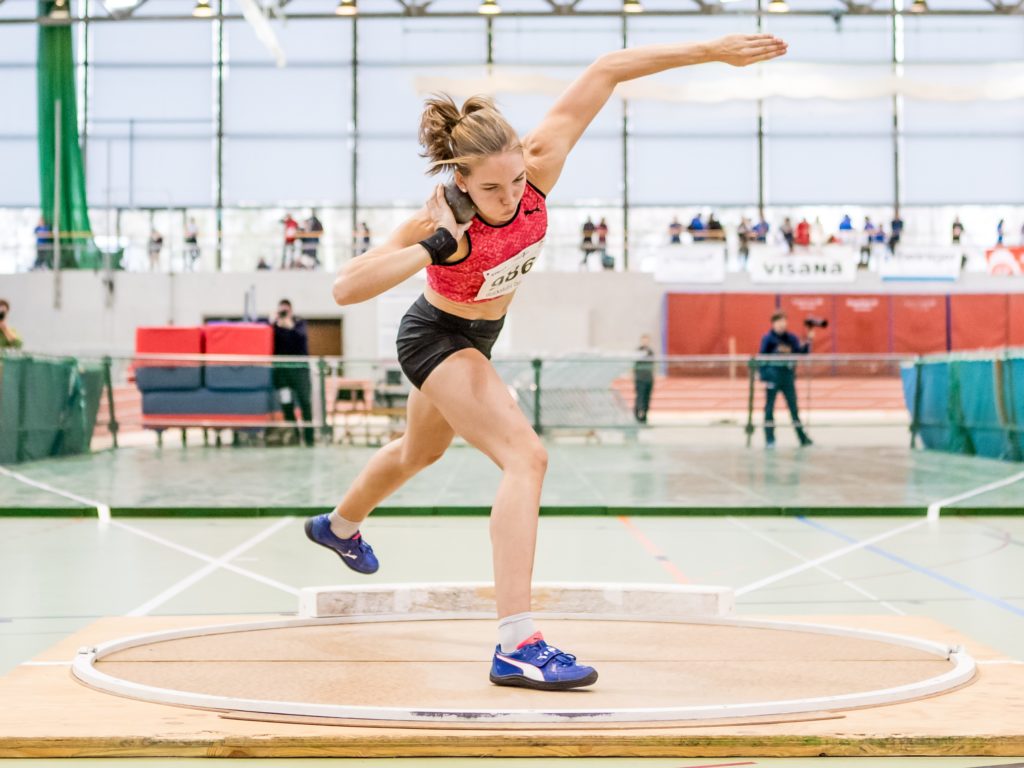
[[44, 712]]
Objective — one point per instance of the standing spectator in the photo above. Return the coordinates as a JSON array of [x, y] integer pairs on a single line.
[[803, 233], [601, 232], [587, 241], [153, 248], [311, 243], [846, 225], [880, 234], [895, 232], [44, 245], [958, 231], [761, 230], [696, 228], [865, 247], [363, 236], [1022, 234], [787, 233], [743, 232], [291, 231], [818, 238], [781, 377], [643, 379], [715, 231], [292, 380], [9, 337], [191, 243], [1000, 231], [675, 232]]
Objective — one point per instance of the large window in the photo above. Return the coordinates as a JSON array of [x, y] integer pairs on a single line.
[[18, 154]]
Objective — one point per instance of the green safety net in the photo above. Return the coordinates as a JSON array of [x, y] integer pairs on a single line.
[[55, 73], [48, 407], [970, 403]]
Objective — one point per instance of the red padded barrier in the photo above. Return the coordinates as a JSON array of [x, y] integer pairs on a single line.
[[170, 339], [746, 317], [1016, 319], [979, 321], [694, 324], [919, 324], [239, 339], [862, 324], [802, 306]]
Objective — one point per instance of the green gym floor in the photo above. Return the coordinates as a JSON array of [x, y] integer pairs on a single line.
[[819, 532]]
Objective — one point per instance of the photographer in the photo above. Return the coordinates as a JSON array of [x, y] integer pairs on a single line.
[[781, 377], [292, 381], [9, 337]]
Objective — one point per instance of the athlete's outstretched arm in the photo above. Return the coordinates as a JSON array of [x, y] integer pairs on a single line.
[[550, 143]]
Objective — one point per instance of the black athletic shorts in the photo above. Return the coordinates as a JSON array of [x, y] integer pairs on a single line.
[[427, 336]]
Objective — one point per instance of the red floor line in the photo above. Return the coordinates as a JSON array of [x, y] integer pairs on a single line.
[[677, 575]]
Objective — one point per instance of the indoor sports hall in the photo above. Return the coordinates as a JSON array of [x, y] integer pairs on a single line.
[[520, 383]]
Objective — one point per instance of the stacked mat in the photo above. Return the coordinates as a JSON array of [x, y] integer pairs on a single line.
[[215, 391]]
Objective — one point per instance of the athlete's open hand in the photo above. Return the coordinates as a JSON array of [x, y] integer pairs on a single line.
[[441, 213], [742, 50]]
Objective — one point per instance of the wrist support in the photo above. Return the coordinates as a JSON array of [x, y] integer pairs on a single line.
[[441, 245]]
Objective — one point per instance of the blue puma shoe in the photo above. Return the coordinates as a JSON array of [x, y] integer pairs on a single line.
[[535, 664], [354, 552]]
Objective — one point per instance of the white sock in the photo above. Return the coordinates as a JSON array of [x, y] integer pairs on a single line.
[[342, 528], [512, 630]]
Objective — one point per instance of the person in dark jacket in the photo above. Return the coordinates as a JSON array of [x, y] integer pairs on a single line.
[[781, 377], [292, 380], [643, 378]]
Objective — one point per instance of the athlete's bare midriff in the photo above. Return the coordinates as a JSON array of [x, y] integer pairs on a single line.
[[494, 309]]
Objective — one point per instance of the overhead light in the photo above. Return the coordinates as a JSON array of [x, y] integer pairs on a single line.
[[632, 6], [59, 12], [778, 6], [919, 6], [346, 8], [202, 9], [120, 8], [489, 8]]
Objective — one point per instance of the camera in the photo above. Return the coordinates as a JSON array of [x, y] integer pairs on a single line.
[[282, 313], [3, 314], [815, 322]]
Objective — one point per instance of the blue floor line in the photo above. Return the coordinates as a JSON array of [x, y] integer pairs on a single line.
[[923, 570]]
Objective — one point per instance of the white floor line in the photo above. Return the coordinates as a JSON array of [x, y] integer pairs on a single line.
[[997, 662], [806, 566], [206, 558], [102, 510], [207, 569], [45, 664], [935, 507], [828, 572]]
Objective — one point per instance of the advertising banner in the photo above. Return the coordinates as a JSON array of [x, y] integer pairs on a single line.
[[1005, 260], [688, 263], [835, 264], [915, 262]]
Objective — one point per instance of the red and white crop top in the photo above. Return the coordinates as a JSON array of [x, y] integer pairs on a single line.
[[499, 256]]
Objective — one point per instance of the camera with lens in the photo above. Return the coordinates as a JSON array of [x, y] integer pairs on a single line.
[[3, 314], [815, 322]]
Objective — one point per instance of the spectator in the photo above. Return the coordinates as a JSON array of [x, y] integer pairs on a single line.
[[846, 225], [314, 231], [865, 247], [761, 230], [958, 231], [675, 231], [9, 337], [781, 377], [263, 264], [818, 238], [291, 232], [601, 231], [803, 233], [153, 248], [1022, 234], [895, 233], [1000, 231], [715, 231], [744, 232], [880, 234], [643, 379], [363, 237], [292, 380], [587, 241], [696, 228], [44, 245], [787, 233], [191, 243]]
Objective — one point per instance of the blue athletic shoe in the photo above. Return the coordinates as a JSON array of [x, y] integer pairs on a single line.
[[542, 666], [354, 552]]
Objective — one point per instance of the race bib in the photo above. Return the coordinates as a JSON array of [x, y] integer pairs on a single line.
[[507, 276]]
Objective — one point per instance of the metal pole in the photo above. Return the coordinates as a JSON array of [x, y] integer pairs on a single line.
[[537, 426], [915, 423], [219, 142], [108, 381], [751, 376], [625, 164], [760, 136], [355, 136], [131, 162], [325, 428]]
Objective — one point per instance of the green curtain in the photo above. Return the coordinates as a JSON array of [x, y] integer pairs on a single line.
[[55, 69]]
